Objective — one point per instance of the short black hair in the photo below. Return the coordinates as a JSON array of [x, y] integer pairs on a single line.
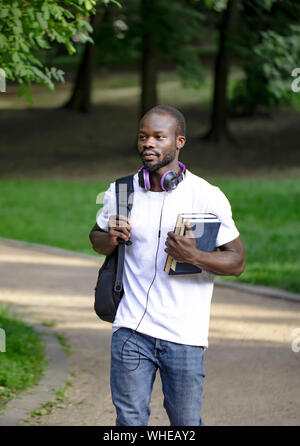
[[180, 128]]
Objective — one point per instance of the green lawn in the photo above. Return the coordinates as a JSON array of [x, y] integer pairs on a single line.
[[266, 212], [52, 212], [22, 361]]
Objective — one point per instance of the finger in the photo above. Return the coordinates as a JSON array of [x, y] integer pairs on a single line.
[[169, 243], [172, 235], [122, 228], [188, 229], [124, 231], [123, 221], [122, 217], [117, 230], [119, 220], [122, 237], [119, 234]]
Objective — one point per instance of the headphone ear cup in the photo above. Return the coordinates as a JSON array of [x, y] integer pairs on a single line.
[[170, 181], [146, 179]]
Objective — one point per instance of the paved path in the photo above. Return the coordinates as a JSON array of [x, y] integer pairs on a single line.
[[252, 373]]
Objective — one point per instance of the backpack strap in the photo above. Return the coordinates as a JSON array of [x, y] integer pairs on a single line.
[[124, 205]]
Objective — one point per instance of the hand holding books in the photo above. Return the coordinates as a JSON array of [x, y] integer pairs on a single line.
[[181, 247], [200, 233]]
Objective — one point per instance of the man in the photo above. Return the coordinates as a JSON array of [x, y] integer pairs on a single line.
[[162, 321]]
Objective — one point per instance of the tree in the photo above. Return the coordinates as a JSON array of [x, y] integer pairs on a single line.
[[149, 56], [80, 99], [29, 27], [219, 113], [145, 32], [269, 50], [165, 32], [263, 37]]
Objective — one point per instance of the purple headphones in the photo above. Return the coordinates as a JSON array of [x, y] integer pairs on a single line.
[[168, 182]]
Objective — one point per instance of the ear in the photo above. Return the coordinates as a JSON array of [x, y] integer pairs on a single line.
[[180, 141]]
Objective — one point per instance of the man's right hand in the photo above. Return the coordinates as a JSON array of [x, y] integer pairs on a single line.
[[119, 226]]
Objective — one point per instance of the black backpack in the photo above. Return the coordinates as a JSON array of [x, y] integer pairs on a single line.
[[109, 287]]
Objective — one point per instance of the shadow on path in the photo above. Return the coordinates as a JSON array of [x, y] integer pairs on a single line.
[[252, 373]]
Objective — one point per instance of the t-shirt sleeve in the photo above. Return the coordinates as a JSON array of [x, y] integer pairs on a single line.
[[220, 206], [108, 209]]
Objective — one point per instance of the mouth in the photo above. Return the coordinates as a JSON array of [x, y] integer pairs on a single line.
[[149, 156]]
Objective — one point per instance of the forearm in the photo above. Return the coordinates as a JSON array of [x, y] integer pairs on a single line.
[[102, 242], [223, 263]]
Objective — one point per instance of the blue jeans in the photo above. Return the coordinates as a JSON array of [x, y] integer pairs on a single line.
[[135, 358]]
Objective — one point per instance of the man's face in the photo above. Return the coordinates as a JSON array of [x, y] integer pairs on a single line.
[[157, 140]]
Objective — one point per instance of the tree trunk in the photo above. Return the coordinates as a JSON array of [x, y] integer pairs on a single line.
[[80, 99], [219, 125], [81, 95], [149, 70]]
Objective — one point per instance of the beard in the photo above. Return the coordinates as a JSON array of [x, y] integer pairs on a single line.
[[166, 160]]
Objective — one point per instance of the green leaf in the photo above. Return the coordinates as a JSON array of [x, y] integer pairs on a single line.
[[45, 9], [88, 5], [41, 20], [42, 42], [83, 24], [25, 89], [3, 41], [27, 27], [4, 12]]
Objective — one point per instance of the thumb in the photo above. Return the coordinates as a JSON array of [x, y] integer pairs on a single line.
[[188, 230]]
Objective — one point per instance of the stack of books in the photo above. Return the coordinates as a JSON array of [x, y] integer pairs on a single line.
[[205, 228]]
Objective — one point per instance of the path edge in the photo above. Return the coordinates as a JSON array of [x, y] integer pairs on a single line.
[[56, 373], [259, 290]]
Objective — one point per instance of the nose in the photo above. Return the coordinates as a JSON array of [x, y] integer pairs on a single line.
[[148, 143]]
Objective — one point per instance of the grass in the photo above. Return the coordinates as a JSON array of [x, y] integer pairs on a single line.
[[58, 213], [64, 343], [267, 214], [23, 362], [59, 402], [61, 213]]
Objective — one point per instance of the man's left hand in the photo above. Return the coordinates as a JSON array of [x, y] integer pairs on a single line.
[[181, 247]]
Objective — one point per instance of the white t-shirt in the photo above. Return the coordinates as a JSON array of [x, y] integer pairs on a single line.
[[178, 308]]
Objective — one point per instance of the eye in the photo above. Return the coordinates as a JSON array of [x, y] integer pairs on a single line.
[[141, 136]]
